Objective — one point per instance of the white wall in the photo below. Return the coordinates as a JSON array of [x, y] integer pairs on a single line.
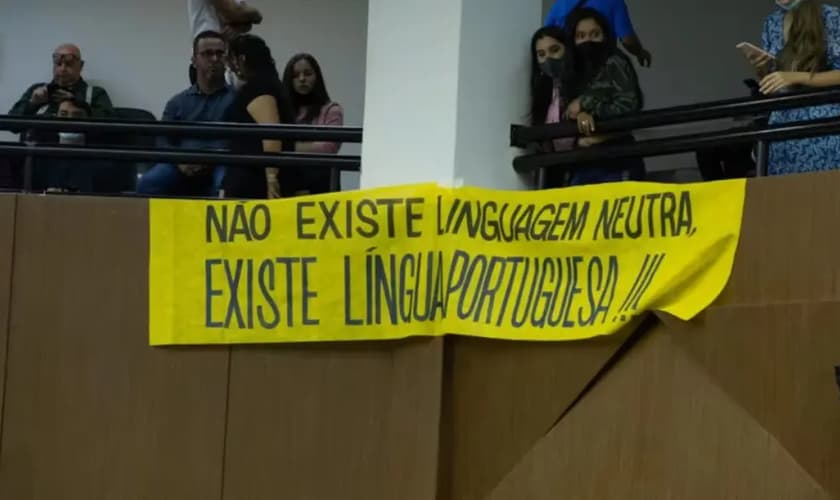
[[412, 91], [492, 91], [139, 50], [443, 89]]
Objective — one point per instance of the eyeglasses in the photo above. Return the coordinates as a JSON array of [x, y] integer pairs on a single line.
[[209, 54], [65, 58]]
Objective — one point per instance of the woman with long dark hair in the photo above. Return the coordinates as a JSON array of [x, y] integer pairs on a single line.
[[304, 83], [803, 36], [607, 86], [260, 98], [552, 74]]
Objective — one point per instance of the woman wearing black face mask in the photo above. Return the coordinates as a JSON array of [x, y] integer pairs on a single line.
[[552, 73], [607, 86]]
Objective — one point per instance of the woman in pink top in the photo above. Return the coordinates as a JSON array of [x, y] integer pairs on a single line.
[[552, 74], [311, 104]]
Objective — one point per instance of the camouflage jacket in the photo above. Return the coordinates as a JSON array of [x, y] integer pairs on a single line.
[[615, 91]]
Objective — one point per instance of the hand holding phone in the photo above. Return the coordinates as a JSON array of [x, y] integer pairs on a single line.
[[758, 57], [60, 95], [40, 96]]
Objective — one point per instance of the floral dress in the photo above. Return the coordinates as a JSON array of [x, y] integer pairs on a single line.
[[818, 153]]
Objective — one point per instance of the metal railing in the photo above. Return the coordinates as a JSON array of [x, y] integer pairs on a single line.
[[759, 133], [287, 160], [185, 129]]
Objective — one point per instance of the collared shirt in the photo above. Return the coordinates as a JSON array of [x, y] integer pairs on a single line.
[[614, 10], [192, 105]]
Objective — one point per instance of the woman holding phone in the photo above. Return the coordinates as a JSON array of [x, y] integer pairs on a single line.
[[802, 41]]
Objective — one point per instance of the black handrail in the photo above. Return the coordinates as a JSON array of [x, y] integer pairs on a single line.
[[521, 135], [680, 144], [284, 160], [190, 129]]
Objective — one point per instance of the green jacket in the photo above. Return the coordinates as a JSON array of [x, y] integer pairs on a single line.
[[97, 98]]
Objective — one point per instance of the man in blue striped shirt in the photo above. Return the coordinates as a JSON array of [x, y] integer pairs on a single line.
[[618, 15]]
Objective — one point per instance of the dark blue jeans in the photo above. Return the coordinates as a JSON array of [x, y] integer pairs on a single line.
[[164, 179], [70, 175], [602, 175]]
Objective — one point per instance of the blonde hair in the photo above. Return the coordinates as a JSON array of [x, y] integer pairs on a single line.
[[805, 49]]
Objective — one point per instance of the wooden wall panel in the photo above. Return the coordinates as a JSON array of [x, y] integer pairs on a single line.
[[660, 427], [8, 204], [742, 402], [91, 411], [789, 242], [334, 421], [777, 363], [502, 398]]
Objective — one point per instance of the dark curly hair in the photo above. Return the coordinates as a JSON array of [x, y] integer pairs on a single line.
[[259, 65]]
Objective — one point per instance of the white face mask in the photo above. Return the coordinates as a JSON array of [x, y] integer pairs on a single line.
[[233, 80], [71, 138], [790, 5]]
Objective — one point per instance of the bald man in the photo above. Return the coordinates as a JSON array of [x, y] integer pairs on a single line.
[[67, 83]]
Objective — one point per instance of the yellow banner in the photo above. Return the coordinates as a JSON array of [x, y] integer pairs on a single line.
[[428, 261]]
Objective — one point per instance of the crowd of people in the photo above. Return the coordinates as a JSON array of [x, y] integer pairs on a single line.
[[233, 78], [580, 73]]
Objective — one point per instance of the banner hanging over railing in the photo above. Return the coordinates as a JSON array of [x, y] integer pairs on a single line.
[[426, 260]]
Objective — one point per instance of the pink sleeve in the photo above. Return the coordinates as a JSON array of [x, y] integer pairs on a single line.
[[331, 116]]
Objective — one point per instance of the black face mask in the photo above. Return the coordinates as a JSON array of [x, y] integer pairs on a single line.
[[558, 69], [592, 56]]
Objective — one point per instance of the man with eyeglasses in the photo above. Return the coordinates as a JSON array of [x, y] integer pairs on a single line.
[[228, 17], [205, 101], [67, 83]]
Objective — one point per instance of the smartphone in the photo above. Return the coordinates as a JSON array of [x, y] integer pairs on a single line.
[[751, 50], [753, 85]]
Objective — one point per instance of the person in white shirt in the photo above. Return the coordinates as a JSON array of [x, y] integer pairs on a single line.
[[228, 17]]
